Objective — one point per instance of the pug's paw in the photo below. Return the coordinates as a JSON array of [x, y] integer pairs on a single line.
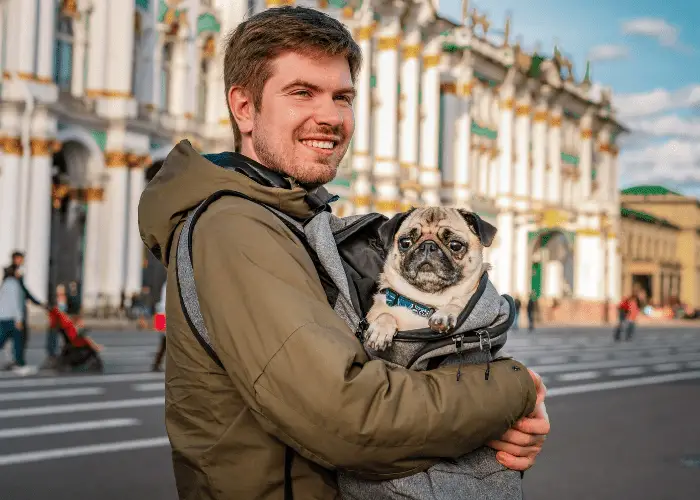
[[380, 332], [444, 319]]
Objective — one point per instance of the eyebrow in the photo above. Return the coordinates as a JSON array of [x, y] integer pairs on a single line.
[[316, 88]]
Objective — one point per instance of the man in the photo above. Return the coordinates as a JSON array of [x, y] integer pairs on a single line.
[[296, 397], [18, 264]]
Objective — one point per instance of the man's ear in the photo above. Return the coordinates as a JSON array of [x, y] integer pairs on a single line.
[[388, 230], [241, 106], [485, 231]]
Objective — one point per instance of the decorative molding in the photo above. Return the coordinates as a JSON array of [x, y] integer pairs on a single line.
[[388, 43], [522, 110], [92, 194], [507, 103], [116, 159], [555, 121], [362, 201], [12, 146], [41, 147], [431, 60], [364, 33], [108, 94], [448, 88], [466, 89], [410, 51], [541, 116], [387, 206], [586, 134]]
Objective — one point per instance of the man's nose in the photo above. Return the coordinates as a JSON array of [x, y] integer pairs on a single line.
[[329, 113]]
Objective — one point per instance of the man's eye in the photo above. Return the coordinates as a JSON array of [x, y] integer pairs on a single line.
[[302, 93], [345, 98]]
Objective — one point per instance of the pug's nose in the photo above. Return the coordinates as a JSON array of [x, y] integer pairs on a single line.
[[429, 247]]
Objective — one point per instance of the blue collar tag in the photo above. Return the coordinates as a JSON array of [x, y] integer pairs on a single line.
[[394, 299]]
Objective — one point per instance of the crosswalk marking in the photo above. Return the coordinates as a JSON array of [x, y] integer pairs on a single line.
[[612, 363], [61, 393], [570, 377], [621, 384], [74, 408], [79, 380], [627, 370], [41, 430], [36, 456], [155, 386]]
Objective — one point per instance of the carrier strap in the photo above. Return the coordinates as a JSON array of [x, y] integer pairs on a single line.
[[189, 300]]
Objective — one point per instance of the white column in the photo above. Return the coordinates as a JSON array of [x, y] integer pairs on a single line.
[[523, 173], [605, 166], [386, 167], [505, 251], [38, 234], [409, 124], [450, 136], [361, 162], [45, 39], [9, 196], [430, 126], [93, 265], [121, 47], [522, 252], [585, 164], [613, 181], [80, 43], [135, 246], [589, 265], [21, 35], [3, 43], [97, 47], [178, 85], [554, 181], [505, 143], [215, 90], [463, 156], [614, 270], [539, 152], [154, 84], [115, 214]]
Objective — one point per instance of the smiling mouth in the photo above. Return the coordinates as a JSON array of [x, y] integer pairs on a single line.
[[320, 146]]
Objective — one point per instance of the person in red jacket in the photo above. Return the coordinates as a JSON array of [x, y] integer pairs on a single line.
[[628, 310]]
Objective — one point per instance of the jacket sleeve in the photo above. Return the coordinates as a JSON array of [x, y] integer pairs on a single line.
[[28, 295], [307, 379]]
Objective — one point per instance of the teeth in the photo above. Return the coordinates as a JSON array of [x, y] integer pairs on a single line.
[[319, 144]]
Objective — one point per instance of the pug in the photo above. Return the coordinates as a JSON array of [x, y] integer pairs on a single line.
[[435, 258]]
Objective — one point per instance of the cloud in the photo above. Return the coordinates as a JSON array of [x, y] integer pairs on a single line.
[[665, 33], [607, 52], [657, 101], [673, 162], [667, 126]]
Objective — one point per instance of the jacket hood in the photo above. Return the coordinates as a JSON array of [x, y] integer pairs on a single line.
[[187, 178]]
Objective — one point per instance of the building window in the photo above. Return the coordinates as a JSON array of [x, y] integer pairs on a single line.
[[63, 62]]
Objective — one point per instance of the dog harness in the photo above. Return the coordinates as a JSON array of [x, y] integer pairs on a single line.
[[394, 298]]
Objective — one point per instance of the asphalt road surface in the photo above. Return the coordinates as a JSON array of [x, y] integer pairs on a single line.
[[625, 420]]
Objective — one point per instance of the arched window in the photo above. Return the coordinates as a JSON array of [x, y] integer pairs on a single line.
[[63, 62]]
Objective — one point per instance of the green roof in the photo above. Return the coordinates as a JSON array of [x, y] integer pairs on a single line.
[[534, 71], [645, 217], [649, 191]]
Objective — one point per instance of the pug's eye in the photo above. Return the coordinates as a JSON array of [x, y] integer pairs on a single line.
[[456, 246], [405, 243]]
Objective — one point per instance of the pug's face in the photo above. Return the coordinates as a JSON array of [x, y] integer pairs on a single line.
[[435, 248]]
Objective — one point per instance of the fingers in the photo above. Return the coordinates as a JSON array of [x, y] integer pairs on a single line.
[[515, 450], [515, 463], [537, 423], [539, 386], [519, 438]]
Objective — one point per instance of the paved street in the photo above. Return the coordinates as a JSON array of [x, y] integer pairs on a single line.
[[624, 420]]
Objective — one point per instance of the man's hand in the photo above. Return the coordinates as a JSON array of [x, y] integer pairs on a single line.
[[520, 445]]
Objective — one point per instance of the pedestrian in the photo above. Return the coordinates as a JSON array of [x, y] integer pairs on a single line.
[[12, 317], [74, 308], [518, 305], [532, 309], [286, 395], [18, 263], [628, 310], [159, 322], [62, 303]]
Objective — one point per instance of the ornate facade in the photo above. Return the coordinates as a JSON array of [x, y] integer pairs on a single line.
[[96, 94]]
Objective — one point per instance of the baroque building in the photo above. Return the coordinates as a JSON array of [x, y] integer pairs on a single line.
[[96, 92], [660, 243]]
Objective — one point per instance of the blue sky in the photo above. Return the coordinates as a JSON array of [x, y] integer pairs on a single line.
[[647, 51]]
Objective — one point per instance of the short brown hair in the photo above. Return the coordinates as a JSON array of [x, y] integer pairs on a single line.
[[256, 42]]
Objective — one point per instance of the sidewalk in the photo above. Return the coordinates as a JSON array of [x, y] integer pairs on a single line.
[[38, 321]]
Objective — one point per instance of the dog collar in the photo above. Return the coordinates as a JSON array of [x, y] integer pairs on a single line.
[[396, 299]]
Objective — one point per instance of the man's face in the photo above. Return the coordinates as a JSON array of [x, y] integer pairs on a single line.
[[18, 260], [306, 120]]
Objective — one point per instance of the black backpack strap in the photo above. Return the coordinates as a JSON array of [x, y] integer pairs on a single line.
[[189, 301]]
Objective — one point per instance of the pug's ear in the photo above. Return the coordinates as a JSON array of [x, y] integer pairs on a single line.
[[485, 231], [387, 231]]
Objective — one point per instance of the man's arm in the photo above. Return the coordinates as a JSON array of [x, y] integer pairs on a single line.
[[27, 294], [305, 376]]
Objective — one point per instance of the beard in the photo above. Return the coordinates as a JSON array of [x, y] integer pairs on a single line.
[[309, 173]]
